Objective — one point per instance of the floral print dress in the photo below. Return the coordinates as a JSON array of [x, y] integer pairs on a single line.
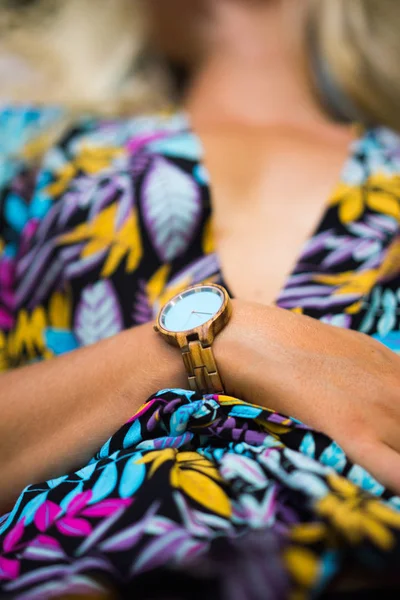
[[196, 495]]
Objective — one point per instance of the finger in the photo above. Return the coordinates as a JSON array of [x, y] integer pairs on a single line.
[[381, 461]]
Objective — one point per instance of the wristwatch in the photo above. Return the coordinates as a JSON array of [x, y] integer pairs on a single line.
[[190, 321]]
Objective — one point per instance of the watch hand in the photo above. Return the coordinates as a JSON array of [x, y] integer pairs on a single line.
[[188, 319], [197, 312]]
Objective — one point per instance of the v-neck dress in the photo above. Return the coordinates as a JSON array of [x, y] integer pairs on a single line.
[[196, 495]]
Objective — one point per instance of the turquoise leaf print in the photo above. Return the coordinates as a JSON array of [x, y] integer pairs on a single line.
[[105, 484], [245, 412], [134, 435], [388, 320], [66, 501], [32, 507], [333, 456], [171, 208], [187, 393], [183, 145], [132, 477], [374, 305], [16, 212], [201, 175], [391, 340], [86, 472], [307, 446], [364, 480], [60, 341]]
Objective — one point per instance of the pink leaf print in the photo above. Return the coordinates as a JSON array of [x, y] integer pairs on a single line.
[[79, 502], [13, 537], [46, 540], [46, 515], [106, 508], [9, 568], [73, 527]]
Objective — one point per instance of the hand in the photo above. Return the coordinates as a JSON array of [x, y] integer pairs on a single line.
[[337, 381]]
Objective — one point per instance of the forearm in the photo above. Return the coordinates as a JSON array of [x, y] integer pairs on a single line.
[[56, 414]]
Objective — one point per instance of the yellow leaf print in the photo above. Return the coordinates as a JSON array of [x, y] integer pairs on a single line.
[[358, 518], [156, 284], [194, 475], [352, 206], [64, 177], [27, 335], [4, 365], [100, 235], [303, 565], [203, 490], [343, 486], [380, 193], [350, 282], [355, 308], [350, 200], [208, 237], [390, 184], [60, 311], [391, 263], [90, 159], [382, 202], [94, 159], [384, 513], [308, 533], [192, 460], [159, 459]]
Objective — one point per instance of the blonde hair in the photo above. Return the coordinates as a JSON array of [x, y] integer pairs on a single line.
[[359, 42], [86, 54]]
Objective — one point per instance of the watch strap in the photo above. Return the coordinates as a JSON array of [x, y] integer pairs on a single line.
[[201, 368]]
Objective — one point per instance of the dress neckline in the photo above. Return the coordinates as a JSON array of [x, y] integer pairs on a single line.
[[317, 229]]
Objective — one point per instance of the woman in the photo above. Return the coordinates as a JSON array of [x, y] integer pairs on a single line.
[[117, 220]]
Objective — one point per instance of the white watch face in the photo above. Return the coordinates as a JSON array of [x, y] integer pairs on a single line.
[[192, 308]]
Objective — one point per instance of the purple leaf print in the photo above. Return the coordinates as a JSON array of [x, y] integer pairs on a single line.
[[73, 527], [98, 314], [160, 551], [142, 310], [126, 200], [99, 531], [13, 537], [104, 193], [106, 508], [235, 466], [9, 568], [171, 208], [315, 244], [125, 539], [46, 515], [340, 254]]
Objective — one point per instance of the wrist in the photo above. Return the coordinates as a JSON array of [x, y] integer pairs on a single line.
[[230, 352], [161, 364]]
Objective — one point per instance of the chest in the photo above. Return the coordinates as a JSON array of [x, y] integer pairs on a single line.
[[267, 199]]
